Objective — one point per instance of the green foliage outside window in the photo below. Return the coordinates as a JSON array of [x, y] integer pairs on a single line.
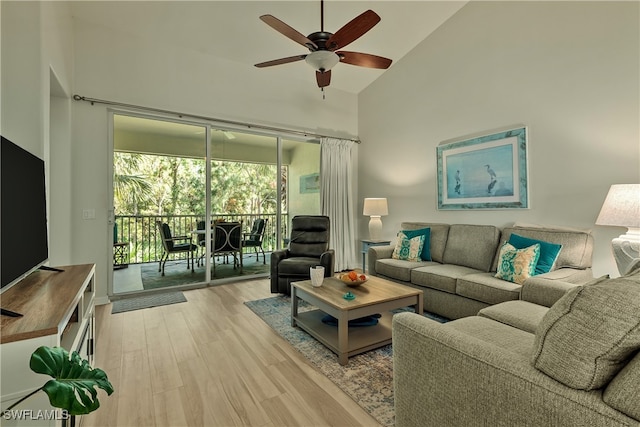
[[163, 185], [150, 186]]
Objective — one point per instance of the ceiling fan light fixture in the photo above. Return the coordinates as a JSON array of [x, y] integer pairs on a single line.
[[322, 60], [324, 46]]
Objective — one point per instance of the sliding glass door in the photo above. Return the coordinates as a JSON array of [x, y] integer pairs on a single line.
[[243, 204], [229, 193], [158, 195]]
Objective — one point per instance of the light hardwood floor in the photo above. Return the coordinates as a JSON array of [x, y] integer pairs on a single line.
[[211, 362]]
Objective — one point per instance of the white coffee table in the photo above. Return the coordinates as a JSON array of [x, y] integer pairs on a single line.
[[376, 295]]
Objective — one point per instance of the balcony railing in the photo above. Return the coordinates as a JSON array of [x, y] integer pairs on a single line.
[[145, 244]]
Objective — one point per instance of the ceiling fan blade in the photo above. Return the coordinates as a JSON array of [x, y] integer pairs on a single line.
[[281, 61], [287, 31], [364, 59], [323, 79], [353, 30]]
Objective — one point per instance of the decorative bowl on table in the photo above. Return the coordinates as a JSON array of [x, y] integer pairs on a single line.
[[353, 278]]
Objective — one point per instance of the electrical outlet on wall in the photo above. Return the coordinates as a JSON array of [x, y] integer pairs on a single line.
[[89, 214]]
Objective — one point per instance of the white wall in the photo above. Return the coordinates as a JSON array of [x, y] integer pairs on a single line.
[[36, 73], [57, 53], [118, 67], [22, 68], [567, 70]]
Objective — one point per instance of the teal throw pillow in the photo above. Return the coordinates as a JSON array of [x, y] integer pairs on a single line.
[[426, 248], [548, 251], [517, 265], [408, 249]]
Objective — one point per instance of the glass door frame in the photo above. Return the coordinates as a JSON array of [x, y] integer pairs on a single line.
[[208, 127], [112, 112]]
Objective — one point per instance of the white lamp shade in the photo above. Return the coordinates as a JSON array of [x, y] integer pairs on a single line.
[[322, 60], [621, 207], [375, 207]]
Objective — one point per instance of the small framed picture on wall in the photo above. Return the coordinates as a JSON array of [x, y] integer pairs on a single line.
[[310, 183]]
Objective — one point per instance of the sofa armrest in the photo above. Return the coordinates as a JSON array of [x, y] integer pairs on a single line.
[[443, 376], [546, 289], [569, 275], [375, 253], [543, 291], [277, 256]]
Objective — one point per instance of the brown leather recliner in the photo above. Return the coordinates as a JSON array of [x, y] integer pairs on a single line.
[[308, 247]]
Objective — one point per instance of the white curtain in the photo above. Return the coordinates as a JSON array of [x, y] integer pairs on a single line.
[[336, 200]]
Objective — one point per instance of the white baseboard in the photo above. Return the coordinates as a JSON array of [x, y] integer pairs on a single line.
[[102, 300]]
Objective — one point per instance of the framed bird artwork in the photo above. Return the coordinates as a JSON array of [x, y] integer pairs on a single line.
[[485, 171]]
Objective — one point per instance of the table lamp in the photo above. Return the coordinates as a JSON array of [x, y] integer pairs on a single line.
[[375, 208], [622, 208]]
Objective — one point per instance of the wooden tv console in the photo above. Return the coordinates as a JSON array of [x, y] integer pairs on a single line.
[[58, 310]]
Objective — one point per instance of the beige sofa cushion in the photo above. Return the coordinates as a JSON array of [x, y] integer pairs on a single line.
[[443, 277], [399, 269], [623, 392], [486, 288], [519, 314], [588, 336], [472, 246]]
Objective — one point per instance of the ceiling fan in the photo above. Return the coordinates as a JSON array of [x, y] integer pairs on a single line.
[[323, 46]]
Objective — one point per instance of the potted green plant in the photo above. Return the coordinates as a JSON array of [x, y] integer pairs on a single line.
[[73, 384]]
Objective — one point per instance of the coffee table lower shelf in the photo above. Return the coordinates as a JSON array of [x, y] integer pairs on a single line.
[[361, 338]]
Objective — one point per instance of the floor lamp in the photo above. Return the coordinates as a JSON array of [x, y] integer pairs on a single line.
[[622, 208], [375, 208]]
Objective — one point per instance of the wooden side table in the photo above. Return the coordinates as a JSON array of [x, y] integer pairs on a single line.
[[120, 255], [366, 244]]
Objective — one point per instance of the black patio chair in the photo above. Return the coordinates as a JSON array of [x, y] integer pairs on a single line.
[[228, 241], [171, 247], [253, 239], [201, 237]]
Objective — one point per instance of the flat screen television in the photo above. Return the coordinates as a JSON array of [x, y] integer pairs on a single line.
[[23, 214]]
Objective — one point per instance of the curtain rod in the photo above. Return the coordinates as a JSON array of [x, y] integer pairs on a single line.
[[212, 119]]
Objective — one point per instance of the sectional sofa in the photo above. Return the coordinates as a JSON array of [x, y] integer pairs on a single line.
[[459, 279], [519, 363]]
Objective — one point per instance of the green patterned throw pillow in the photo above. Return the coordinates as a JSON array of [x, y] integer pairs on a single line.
[[426, 248], [517, 265], [408, 249], [548, 251]]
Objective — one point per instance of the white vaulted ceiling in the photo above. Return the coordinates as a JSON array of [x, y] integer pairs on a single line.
[[232, 30]]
